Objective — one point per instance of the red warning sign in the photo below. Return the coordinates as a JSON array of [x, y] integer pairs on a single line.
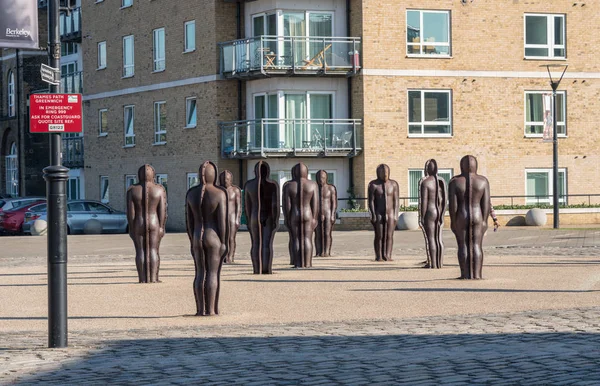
[[55, 113]]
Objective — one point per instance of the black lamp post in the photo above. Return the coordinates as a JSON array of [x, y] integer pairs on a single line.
[[554, 84]]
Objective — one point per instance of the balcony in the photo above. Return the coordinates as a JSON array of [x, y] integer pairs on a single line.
[[70, 26], [265, 56], [72, 152], [72, 83], [274, 137]]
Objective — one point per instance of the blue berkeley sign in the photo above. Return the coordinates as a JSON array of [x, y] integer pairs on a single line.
[[19, 24]]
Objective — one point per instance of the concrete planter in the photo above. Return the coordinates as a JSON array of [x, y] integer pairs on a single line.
[[408, 221], [535, 217]]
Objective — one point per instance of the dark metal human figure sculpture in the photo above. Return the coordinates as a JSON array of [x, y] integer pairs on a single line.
[[206, 221], [147, 216], [469, 196], [234, 211], [326, 218], [383, 196], [261, 197], [432, 205], [300, 210], [286, 219]]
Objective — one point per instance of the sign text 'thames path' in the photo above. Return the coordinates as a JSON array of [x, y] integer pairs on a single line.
[[55, 113]]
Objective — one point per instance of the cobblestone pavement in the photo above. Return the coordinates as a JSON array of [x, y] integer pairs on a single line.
[[543, 347]]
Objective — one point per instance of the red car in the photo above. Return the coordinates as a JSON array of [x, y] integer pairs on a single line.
[[11, 221]]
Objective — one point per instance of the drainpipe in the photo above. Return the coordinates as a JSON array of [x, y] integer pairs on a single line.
[[239, 86], [349, 92], [20, 130]]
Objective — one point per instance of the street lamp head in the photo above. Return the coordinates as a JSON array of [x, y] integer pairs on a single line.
[[554, 83]]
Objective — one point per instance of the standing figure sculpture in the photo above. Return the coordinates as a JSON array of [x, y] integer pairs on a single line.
[[206, 223], [383, 205], [300, 210], [286, 219], [326, 218], [146, 217], [469, 196], [261, 197], [234, 211], [432, 205]]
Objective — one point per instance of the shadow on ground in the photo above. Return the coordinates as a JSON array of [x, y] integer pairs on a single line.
[[521, 358]]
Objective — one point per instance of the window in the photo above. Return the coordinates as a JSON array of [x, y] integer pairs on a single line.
[[414, 176], [97, 208], [190, 112], [161, 179], [11, 94], [130, 179], [192, 180], [12, 172], [429, 113], [129, 118], [128, 59], [102, 122], [538, 103], [545, 36], [190, 36], [73, 188], [160, 122], [539, 183], [74, 207], [312, 175], [159, 49], [126, 3], [428, 32], [104, 189], [68, 49], [68, 68], [101, 55]]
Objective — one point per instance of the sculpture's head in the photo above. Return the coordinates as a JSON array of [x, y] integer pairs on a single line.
[[383, 172], [322, 177], [208, 173], [431, 168], [226, 178], [262, 169], [468, 164], [299, 171], [146, 174]]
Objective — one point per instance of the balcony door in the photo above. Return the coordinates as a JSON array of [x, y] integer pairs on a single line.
[[265, 109]]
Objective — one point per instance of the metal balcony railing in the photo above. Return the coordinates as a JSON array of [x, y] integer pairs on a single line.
[[274, 137], [72, 152], [70, 25], [290, 55], [72, 83]]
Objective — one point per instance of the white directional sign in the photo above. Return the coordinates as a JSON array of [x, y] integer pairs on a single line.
[[50, 74]]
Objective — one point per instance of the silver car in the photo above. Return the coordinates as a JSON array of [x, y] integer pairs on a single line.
[[13, 203], [78, 213]]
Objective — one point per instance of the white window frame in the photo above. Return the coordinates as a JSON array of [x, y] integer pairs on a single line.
[[130, 179], [158, 130], [162, 179], [101, 55], [551, 46], [187, 49], [190, 178], [424, 123], [132, 134], [104, 181], [12, 171], [549, 171], [559, 123], [329, 172], [11, 94], [77, 188], [421, 44], [159, 61], [189, 125], [101, 112], [128, 66], [412, 202], [126, 3]]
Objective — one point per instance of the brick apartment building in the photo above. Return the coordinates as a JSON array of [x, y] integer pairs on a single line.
[[341, 86]]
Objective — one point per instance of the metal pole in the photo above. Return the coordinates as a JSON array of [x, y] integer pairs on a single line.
[[56, 177], [555, 157]]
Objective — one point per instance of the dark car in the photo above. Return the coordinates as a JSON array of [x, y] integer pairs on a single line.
[[11, 221]]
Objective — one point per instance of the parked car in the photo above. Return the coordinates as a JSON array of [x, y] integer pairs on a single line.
[[78, 213], [16, 202], [11, 221]]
